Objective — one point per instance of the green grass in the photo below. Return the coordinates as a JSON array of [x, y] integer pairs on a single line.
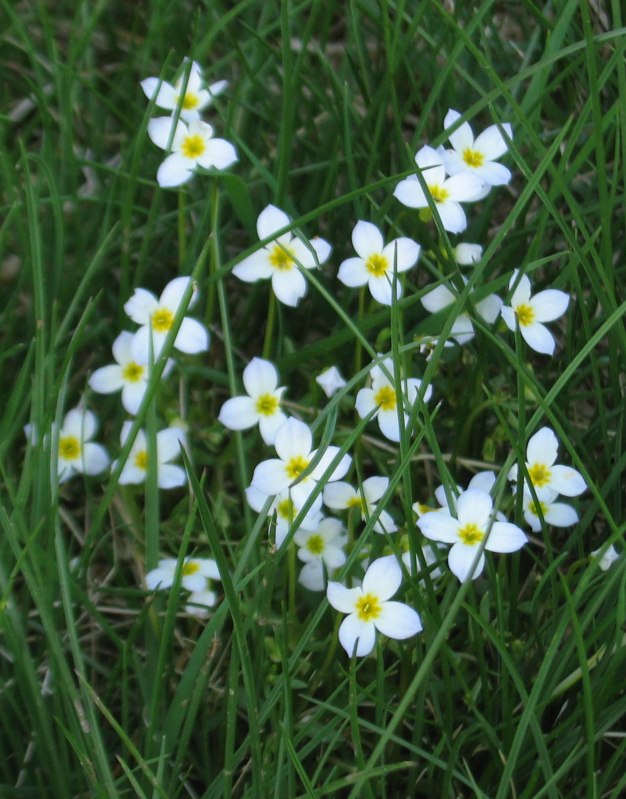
[[515, 686]]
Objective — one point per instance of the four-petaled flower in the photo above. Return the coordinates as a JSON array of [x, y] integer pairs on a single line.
[[446, 193], [195, 574], [468, 529], [293, 444], [261, 406], [318, 546], [195, 99], [191, 146], [369, 608], [286, 511], [126, 374], [156, 317], [477, 155], [558, 514], [377, 262], [330, 380], [168, 443], [541, 453], [340, 496], [280, 259], [76, 452], [607, 559], [462, 328], [382, 400], [529, 312]]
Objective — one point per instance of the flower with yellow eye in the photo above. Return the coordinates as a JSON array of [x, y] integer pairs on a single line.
[[467, 529], [545, 476], [125, 374], [156, 317], [377, 263], [477, 155], [528, 313], [261, 406], [382, 401], [191, 146], [370, 609], [320, 546], [168, 443], [195, 574], [76, 452], [195, 99], [447, 194], [342, 496], [293, 444], [282, 259]]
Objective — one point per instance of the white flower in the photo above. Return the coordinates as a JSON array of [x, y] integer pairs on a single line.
[[293, 444], [195, 99], [377, 262], [330, 380], [558, 514], [191, 146], [541, 453], [280, 259], [607, 559], [468, 529], [76, 452], [125, 374], [318, 547], [466, 254], [382, 399], [477, 155], [195, 574], [261, 406], [156, 316], [286, 511], [168, 444], [462, 329], [369, 608], [447, 194], [529, 313], [340, 496], [428, 345]]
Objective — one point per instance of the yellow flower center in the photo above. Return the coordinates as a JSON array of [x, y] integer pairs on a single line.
[[525, 314], [473, 158], [193, 146], [471, 534], [296, 466], [439, 194], [377, 265], [315, 544], [162, 320], [537, 507], [132, 372], [539, 474], [69, 448], [281, 258], [355, 502], [286, 510], [141, 460], [266, 405], [368, 607], [385, 398], [190, 568], [190, 100], [425, 508]]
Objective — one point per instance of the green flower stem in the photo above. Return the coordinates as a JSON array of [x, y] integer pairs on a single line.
[[269, 329]]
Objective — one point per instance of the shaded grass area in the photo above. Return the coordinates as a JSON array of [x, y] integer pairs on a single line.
[[515, 686]]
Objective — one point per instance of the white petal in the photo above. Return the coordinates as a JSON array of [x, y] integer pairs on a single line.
[[452, 216], [160, 130], [270, 425], [437, 299], [312, 576], [341, 598], [463, 187], [352, 272], [489, 308], [374, 488], [505, 537], [168, 443], [238, 413], [339, 495], [289, 286], [254, 267], [132, 394], [561, 515], [542, 447], [462, 136], [174, 171], [398, 621], [140, 306], [79, 423], [521, 295], [402, 254], [474, 507], [270, 477], [107, 379], [172, 295], [170, 476], [121, 348], [192, 337], [322, 249], [439, 526], [353, 629], [460, 559], [538, 338], [325, 461], [549, 305], [364, 402], [492, 143], [567, 481], [493, 174], [160, 92], [159, 578], [219, 154], [367, 239], [271, 219], [466, 254], [260, 377], [381, 289], [410, 193], [293, 439], [383, 578], [95, 458]]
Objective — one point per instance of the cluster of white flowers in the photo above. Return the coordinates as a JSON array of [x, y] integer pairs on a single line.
[[188, 140]]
